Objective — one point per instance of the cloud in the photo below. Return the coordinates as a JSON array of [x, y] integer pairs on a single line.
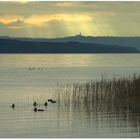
[[54, 18], [16, 24], [10, 19], [12, 22], [40, 20], [5, 31]]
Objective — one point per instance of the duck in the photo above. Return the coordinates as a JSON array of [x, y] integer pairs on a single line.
[[13, 105], [45, 104], [35, 109], [34, 104], [49, 100], [40, 110], [53, 101]]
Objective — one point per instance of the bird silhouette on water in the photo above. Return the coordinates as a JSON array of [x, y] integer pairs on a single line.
[[34, 104], [40, 110], [35, 109], [13, 106], [45, 104], [53, 101], [49, 100]]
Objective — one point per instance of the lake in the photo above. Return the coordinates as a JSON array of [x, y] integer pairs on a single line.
[[25, 78]]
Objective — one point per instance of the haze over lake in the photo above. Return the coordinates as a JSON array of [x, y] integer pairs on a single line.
[[69, 69], [29, 77]]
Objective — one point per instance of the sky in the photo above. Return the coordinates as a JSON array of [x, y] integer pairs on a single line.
[[52, 19]]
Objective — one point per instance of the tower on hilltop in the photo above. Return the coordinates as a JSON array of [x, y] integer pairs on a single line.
[[79, 35]]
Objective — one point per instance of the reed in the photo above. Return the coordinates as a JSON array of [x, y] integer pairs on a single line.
[[123, 91]]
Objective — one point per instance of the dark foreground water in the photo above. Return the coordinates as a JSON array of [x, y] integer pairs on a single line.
[[25, 78]]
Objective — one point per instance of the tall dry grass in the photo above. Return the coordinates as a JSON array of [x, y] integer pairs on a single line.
[[117, 91]]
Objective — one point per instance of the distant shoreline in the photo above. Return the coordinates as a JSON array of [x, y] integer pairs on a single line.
[[23, 46]]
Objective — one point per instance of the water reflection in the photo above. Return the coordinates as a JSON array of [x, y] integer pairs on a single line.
[[68, 60], [105, 104], [28, 78], [101, 119]]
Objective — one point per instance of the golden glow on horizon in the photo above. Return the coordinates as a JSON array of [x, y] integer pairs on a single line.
[[40, 20], [69, 20], [10, 19], [56, 19]]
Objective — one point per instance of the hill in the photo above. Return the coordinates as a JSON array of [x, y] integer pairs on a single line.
[[119, 41], [8, 45]]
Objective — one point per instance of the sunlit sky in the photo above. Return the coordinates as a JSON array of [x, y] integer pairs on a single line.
[[59, 19]]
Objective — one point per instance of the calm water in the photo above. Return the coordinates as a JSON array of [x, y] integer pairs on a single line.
[[22, 86]]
